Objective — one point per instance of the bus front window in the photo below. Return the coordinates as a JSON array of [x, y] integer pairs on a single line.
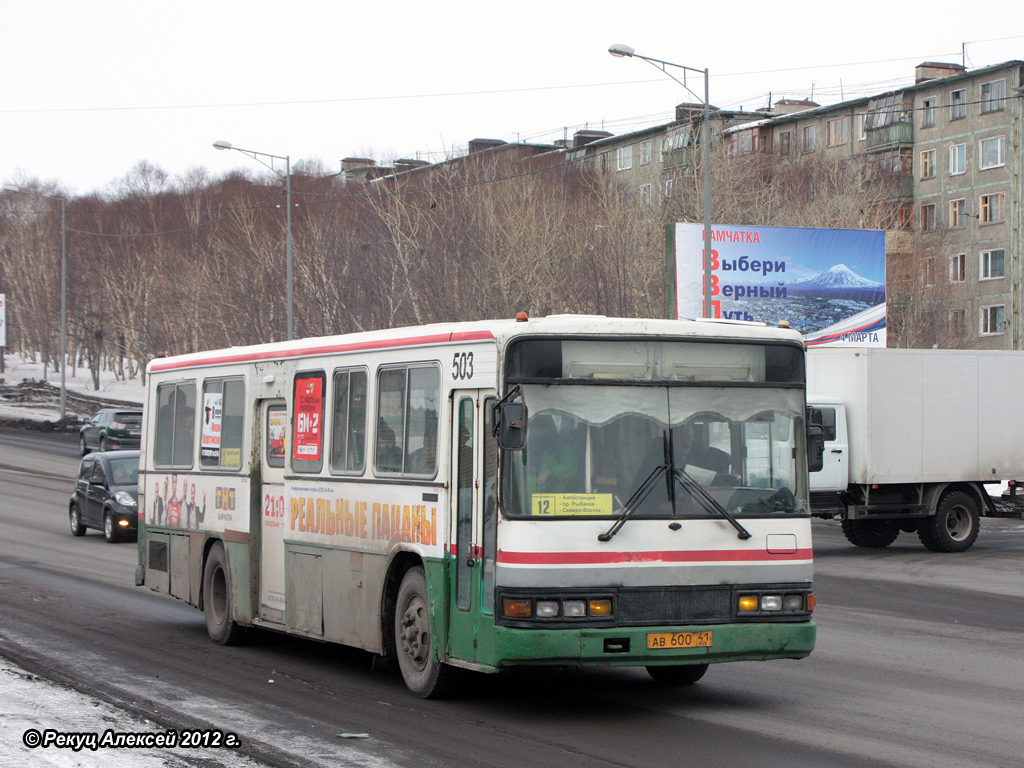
[[589, 448]]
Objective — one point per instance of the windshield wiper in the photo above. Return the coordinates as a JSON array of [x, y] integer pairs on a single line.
[[635, 501], [707, 501], [671, 473]]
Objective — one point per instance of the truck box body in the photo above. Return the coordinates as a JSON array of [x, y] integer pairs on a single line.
[[924, 416]]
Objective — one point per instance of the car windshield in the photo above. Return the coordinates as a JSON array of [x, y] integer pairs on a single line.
[[133, 418], [590, 448], [124, 471]]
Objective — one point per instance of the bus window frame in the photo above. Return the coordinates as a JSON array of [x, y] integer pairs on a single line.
[[219, 467], [176, 385], [331, 469], [305, 466], [407, 368]]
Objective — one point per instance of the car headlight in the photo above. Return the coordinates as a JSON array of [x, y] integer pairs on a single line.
[[124, 498]]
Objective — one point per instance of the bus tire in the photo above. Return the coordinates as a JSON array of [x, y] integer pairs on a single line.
[[683, 674], [424, 674], [873, 534], [954, 526], [217, 606]]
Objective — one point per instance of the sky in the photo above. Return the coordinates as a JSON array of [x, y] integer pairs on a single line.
[[92, 89]]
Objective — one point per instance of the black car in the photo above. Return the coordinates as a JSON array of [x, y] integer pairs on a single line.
[[111, 429], [106, 495]]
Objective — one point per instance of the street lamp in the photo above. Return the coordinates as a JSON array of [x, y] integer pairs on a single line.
[[63, 291], [221, 144], [620, 51]]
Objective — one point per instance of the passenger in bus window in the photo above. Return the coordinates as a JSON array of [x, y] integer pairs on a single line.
[[555, 460], [389, 456]]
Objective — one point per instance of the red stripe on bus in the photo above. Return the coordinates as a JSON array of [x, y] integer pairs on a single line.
[[353, 346], [670, 556]]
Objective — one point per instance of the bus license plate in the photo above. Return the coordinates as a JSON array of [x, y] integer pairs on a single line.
[[667, 640]]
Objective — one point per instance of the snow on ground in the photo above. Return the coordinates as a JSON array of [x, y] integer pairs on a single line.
[[77, 380], [33, 709]]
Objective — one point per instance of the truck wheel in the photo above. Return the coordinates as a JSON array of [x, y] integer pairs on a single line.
[[424, 675], [873, 534], [217, 607], [684, 674], [954, 526]]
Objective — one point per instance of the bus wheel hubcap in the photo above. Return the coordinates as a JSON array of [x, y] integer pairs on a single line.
[[416, 632]]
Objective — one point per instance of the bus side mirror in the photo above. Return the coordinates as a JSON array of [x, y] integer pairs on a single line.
[[815, 440], [512, 426]]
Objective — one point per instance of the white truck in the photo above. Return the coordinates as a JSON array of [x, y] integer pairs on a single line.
[[911, 438]]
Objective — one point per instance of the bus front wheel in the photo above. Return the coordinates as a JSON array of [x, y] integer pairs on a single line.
[[217, 607], [424, 675], [684, 674]]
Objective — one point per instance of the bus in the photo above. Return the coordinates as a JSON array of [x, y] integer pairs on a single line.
[[570, 490]]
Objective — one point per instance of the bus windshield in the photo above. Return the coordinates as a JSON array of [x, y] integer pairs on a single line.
[[590, 448]]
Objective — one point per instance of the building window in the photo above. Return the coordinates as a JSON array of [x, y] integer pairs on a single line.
[[928, 164], [646, 152], [668, 188], [957, 209], [991, 152], [927, 113], [645, 194], [992, 208], [957, 323], [993, 96], [993, 320], [785, 143], [993, 264], [838, 131], [958, 110], [862, 132], [808, 134], [928, 218], [958, 268], [624, 158], [957, 159]]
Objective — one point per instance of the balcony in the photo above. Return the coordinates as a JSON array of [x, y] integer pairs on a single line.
[[890, 137]]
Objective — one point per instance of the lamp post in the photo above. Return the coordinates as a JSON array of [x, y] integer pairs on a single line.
[[63, 291], [221, 144], [618, 50]]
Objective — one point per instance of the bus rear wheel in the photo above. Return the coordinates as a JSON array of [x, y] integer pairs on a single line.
[[217, 606], [424, 675], [684, 674]]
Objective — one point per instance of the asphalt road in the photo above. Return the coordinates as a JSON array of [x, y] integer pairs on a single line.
[[918, 663]]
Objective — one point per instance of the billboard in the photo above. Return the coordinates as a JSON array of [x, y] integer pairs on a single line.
[[828, 284]]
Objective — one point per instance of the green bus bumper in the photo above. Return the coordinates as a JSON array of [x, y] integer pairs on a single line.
[[627, 646]]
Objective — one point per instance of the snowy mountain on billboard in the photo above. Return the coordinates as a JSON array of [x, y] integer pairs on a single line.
[[840, 282]]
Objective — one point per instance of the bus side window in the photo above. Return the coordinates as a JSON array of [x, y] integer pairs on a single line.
[[223, 423], [174, 442]]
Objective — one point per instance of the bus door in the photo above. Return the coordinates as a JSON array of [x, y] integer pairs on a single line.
[[474, 512], [273, 437]]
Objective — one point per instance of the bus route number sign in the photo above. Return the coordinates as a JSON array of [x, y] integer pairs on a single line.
[[675, 640]]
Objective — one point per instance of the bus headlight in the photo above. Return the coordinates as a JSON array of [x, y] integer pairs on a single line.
[[547, 609]]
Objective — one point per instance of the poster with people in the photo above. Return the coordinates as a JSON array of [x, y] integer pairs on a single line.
[[213, 405]]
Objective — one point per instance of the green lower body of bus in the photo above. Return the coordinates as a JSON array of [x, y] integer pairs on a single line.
[[503, 647]]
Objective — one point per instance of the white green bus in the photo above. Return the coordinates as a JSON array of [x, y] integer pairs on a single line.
[[572, 490]]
